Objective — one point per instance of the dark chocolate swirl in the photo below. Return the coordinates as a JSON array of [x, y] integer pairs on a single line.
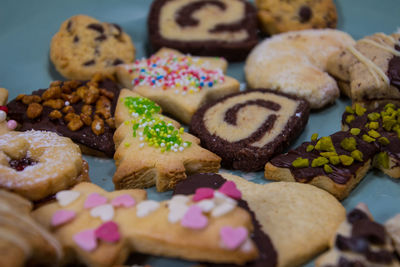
[[184, 16]]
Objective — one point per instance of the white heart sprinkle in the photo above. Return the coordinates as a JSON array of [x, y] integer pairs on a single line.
[[105, 212], [176, 212], [179, 199], [206, 205], [3, 116], [222, 209], [144, 208], [222, 198], [66, 197], [247, 246]]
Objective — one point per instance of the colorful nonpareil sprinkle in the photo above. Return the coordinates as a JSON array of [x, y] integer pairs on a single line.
[[184, 74]]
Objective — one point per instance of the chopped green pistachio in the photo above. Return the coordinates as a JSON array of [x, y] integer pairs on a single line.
[[349, 110], [360, 110], [310, 148], [300, 163], [384, 141], [390, 105], [314, 137], [381, 160], [319, 162], [350, 118], [335, 160], [328, 154], [374, 116], [349, 143], [327, 168], [346, 160], [373, 125], [357, 155], [355, 131], [388, 123], [325, 144], [374, 134], [367, 138]]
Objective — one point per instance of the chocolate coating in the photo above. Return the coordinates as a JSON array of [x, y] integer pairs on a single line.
[[184, 16], [84, 136], [394, 70], [267, 255]]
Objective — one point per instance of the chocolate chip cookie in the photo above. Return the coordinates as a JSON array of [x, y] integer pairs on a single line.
[[84, 46], [278, 16]]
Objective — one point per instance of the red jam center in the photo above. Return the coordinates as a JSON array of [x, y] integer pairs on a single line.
[[21, 164]]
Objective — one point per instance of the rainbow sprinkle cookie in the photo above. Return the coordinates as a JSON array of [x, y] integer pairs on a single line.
[[178, 83], [152, 149]]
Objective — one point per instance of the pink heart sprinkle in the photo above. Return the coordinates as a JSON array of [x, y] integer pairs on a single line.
[[124, 201], [232, 238], [86, 240], [229, 189], [203, 193], [108, 232], [62, 216], [194, 218], [94, 200]]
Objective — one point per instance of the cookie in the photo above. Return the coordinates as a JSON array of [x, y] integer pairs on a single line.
[[295, 63], [152, 150], [369, 70], [101, 228], [38, 164], [293, 222], [221, 28], [5, 126], [393, 228], [23, 242], [277, 16], [82, 111], [360, 241], [179, 83], [335, 163], [246, 129], [84, 46]]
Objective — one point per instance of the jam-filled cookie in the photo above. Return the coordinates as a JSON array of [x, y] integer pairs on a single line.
[[82, 111], [246, 129], [84, 46], [223, 28], [295, 63], [278, 16]]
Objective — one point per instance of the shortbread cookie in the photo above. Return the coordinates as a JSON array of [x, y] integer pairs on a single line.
[[37, 164], [295, 63], [5, 126], [101, 228], [82, 111], [222, 28], [246, 129], [151, 150], [278, 16], [179, 84], [335, 163], [380, 127], [293, 222], [22, 241], [360, 241], [84, 46], [369, 70]]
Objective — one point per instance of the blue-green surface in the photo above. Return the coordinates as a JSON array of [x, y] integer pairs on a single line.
[[26, 28]]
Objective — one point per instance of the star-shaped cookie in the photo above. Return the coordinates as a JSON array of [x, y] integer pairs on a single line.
[[179, 83], [100, 228], [151, 149]]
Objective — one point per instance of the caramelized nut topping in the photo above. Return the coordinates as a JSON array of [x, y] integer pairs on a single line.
[[75, 124], [108, 94], [55, 83], [19, 97], [28, 99], [87, 109], [34, 110], [98, 126], [92, 95], [87, 120], [71, 116], [55, 114], [103, 107], [52, 93], [82, 92], [68, 109], [54, 103], [111, 122]]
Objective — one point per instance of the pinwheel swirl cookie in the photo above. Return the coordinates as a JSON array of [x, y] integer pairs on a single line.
[[246, 129], [369, 71], [179, 83], [152, 149], [101, 228], [23, 242], [223, 28], [295, 63], [292, 222]]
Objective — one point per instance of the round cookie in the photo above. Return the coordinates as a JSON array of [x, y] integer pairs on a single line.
[[248, 128], [84, 46], [278, 16], [295, 62]]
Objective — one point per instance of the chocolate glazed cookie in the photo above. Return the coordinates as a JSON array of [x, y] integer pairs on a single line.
[[224, 28], [246, 129]]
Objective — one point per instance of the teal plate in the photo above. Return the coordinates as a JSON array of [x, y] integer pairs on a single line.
[[26, 28]]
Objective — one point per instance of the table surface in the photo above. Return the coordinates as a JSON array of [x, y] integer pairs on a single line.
[[27, 27]]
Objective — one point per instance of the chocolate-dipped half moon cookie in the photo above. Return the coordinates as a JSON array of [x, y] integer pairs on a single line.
[[246, 129], [360, 241], [292, 222], [335, 163], [224, 28]]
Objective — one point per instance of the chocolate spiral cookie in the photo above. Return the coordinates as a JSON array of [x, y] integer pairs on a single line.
[[246, 129], [224, 28]]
